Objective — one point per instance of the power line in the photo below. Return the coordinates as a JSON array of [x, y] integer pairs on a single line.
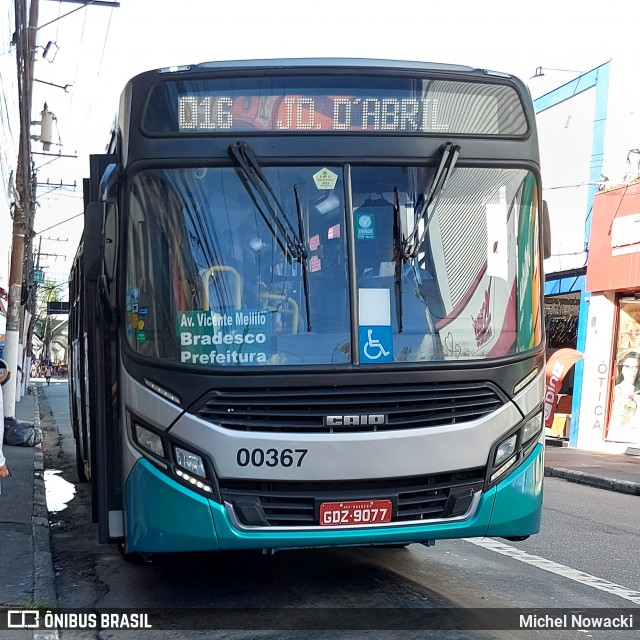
[[59, 223]]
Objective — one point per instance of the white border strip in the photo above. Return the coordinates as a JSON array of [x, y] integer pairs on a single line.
[[558, 569]]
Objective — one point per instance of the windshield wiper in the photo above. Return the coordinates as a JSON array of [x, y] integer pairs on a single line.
[[303, 261], [262, 193], [398, 256], [430, 201], [273, 213]]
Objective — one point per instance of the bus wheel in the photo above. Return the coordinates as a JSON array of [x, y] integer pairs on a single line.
[[80, 468], [135, 557]]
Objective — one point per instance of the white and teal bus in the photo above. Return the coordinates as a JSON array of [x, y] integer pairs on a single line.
[[306, 310]]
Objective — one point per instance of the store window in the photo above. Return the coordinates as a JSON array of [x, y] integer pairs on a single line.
[[624, 414]]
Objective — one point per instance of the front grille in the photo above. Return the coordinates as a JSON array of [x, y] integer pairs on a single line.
[[303, 409], [296, 504]]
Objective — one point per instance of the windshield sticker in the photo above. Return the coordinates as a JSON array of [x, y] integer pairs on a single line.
[[315, 264], [333, 232], [365, 226], [482, 321], [314, 242], [224, 338], [325, 179], [376, 344], [374, 307]]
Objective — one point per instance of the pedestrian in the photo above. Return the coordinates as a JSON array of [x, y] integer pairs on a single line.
[[47, 373], [4, 468]]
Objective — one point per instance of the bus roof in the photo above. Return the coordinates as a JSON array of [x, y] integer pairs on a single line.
[[347, 63]]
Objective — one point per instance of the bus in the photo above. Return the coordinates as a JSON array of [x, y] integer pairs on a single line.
[[306, 309]]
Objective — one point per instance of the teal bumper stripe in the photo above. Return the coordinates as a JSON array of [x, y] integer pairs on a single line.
[[164, 516], [518, 506]]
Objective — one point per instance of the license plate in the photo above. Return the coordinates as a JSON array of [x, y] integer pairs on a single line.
[[337, 514]]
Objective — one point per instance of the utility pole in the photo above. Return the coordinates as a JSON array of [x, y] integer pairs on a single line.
[[24, 205]]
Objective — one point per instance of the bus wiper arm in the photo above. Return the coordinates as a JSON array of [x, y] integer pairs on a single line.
[[303, 260], [398, 256], [430, 201], [264, 197]]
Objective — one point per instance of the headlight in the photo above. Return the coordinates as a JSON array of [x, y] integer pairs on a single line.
[[191, 462], [532, 428], [505, 457], [505, 450], [516, 447], [186, 466], [149, 441]]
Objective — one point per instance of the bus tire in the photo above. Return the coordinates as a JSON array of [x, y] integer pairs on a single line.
[[80, 468], [135, 557]]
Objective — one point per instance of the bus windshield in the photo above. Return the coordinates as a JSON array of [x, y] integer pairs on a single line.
[[311, 265]]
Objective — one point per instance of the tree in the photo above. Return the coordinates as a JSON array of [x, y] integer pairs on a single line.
[[50, 332]]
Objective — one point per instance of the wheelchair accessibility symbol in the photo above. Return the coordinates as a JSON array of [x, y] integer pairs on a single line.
[[376, 344]]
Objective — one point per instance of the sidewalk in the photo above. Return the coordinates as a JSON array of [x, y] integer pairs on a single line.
[[616, 472], [26, 567]]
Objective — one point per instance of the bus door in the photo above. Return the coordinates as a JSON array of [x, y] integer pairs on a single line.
[[105, 441]]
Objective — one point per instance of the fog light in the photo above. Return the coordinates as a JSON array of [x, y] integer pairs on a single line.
[[506, 449], [532, 427], [150, 441], [191, 462], [502, 469]]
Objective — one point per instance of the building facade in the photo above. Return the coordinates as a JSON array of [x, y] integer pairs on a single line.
[[10, 135], [610, 407], [590, 138]]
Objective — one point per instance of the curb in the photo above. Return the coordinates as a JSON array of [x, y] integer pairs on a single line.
[[619, 486], [44, 590]]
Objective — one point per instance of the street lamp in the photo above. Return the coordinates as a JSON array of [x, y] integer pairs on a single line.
[[49, 51]]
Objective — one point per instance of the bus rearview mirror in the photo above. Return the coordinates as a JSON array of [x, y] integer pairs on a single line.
[[99, 238], [546, 231]]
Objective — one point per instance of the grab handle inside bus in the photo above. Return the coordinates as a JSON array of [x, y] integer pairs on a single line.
[[237, 280]]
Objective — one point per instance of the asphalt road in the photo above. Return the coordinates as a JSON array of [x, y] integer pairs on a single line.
[[585, 558]]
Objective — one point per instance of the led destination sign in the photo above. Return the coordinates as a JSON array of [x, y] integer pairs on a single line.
[[309, 113], [313, 104]]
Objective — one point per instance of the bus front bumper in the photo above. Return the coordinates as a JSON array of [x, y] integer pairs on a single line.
[[163, 515]]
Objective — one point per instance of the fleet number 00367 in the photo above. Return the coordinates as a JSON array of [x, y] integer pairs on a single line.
[[270, 457]]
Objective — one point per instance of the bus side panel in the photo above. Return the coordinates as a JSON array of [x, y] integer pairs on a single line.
[[78, 369]]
